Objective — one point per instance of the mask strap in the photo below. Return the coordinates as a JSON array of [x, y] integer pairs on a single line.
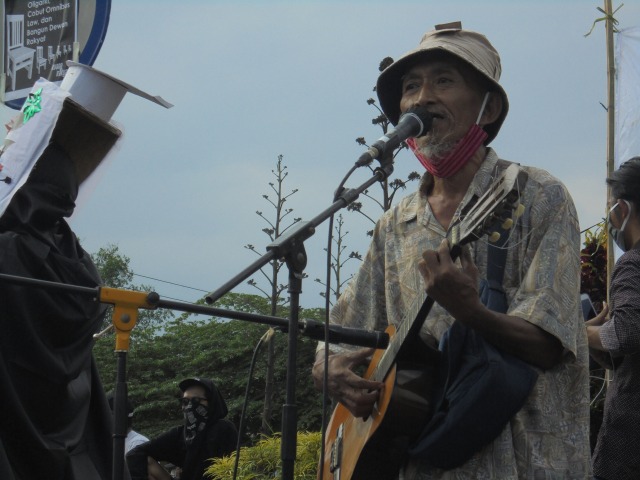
[[626, 219], [484, 104]]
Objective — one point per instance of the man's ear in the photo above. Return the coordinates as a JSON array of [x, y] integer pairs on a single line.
[[624, 208], [492, 109], [635, 211]]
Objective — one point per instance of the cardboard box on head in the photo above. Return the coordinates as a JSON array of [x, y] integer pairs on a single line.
[[76, 115], [84, 82]]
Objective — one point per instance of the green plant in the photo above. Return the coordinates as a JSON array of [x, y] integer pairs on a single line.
[[593, 264], [262, 461]]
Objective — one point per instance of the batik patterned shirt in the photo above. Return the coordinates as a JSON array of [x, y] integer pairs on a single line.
[[617, 453], [549, 437]]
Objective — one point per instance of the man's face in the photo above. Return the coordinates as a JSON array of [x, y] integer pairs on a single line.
[[451, 96]]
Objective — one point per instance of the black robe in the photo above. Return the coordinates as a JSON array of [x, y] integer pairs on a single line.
[[55, 421]]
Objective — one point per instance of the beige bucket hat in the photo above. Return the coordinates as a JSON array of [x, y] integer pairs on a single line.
[[471, 47]]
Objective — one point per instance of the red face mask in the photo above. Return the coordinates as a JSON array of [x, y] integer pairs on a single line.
[[456, 158], [460, 155]]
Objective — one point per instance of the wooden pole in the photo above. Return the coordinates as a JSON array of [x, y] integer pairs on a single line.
[[611, 74]]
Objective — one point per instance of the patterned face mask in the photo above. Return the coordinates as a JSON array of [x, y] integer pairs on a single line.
[[195, 417]]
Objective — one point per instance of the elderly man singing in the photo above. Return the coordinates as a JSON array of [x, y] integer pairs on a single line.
[[454, 74]]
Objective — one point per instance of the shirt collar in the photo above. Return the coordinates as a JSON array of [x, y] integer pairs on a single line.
[[486, 174]]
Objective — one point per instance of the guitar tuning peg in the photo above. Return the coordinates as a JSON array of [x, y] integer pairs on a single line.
[[519, 210], [494, 237], [507, 224]]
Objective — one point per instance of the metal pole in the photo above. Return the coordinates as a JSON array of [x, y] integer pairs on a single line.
[[75, 55], [3, 75], [120, 416]]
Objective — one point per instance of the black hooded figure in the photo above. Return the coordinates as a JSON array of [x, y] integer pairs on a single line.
[[205, 434], [55, 422]]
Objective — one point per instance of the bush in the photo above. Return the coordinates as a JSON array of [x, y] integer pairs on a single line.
[[262, 461], [593, 265]]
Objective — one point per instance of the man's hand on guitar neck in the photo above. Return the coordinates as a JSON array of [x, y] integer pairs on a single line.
[[456, 290], [357, 394]]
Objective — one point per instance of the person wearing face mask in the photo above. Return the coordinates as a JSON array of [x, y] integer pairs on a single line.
[[454, 74], [205, 434], [614, 334]]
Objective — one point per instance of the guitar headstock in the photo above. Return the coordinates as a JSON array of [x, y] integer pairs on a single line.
[[493, 211]]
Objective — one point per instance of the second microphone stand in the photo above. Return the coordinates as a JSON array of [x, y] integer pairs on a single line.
[[288, 248]]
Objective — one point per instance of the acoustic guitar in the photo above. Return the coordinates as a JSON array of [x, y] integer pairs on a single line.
[[375, 448]]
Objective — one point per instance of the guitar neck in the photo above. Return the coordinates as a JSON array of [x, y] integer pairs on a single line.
[[408, 329]]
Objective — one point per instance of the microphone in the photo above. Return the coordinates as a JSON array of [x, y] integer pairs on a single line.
[[413, 123], [340, 334]]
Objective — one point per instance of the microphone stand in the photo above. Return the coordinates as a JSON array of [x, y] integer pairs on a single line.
[[290, 248]]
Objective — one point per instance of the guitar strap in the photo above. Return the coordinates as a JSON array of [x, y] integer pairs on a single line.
[[494, 296], [478, 387]]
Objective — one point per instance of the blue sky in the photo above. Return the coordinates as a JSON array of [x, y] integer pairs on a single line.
[[254, 80]]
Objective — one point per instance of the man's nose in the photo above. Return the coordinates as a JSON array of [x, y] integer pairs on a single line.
[[424, 96]]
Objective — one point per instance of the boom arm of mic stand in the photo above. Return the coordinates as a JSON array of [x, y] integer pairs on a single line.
[[127, 303], [310, 328]]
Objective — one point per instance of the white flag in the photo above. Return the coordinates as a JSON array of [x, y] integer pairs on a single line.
[[627, 103]]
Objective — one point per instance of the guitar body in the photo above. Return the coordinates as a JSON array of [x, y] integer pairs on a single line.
[[359, 449]]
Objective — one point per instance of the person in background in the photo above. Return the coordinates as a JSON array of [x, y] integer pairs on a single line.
[[614, 334], [205, 434]]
